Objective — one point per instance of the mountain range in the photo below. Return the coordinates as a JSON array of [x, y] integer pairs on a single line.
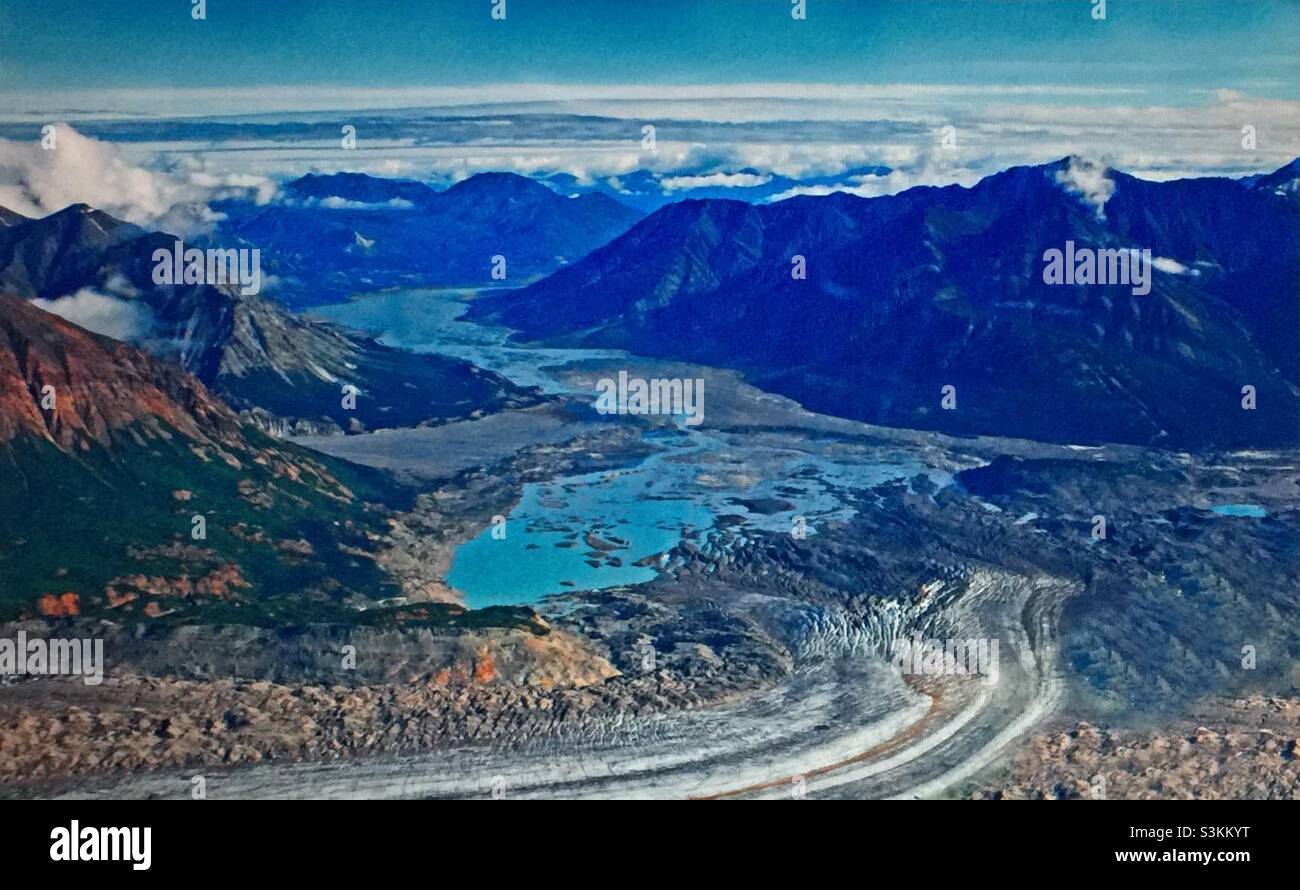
[[288, 370], [907, 294], [121, 445], [331, 236]]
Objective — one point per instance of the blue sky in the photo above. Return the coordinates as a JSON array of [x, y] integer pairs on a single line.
[[1171, 47]]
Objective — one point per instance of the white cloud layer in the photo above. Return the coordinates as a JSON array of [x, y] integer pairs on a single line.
[[119, 319], [706, 135], [334, 202], [36, 180], [714, 180], [715, 101], [804, 131]]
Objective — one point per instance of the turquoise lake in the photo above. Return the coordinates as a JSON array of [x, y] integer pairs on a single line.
[[1252, 510], [757, 482], [543, 544], [674, 495]]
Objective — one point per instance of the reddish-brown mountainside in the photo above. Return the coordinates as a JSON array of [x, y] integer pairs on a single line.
[[100, 387]]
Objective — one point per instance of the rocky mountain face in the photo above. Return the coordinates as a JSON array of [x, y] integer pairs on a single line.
[[288, 371], [335, 235], [128, 488], [1282, 181], [933, 287], [76, 389]]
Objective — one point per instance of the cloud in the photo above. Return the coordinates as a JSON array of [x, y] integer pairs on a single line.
[[120, 319], [934, 166], [800, 131], [334, 202], [705, 101], [259, 189], [714, 180], [822, 136], [1089, 180], [1173, 267], [37, 181]]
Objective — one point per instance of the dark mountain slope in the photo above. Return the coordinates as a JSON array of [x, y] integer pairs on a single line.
[[248, 348], [347, 232], [9, 217], [361, 188], [936, 286]]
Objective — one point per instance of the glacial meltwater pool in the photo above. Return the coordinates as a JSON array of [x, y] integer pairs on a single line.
[[546, 538], [1255, 511], [589, 532], [677, 494]]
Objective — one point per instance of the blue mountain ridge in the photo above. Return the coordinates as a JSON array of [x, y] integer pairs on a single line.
[[343, 233], [937, 286]]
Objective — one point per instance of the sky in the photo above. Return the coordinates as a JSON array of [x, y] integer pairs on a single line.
[[160, 109], [1171, 46]]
